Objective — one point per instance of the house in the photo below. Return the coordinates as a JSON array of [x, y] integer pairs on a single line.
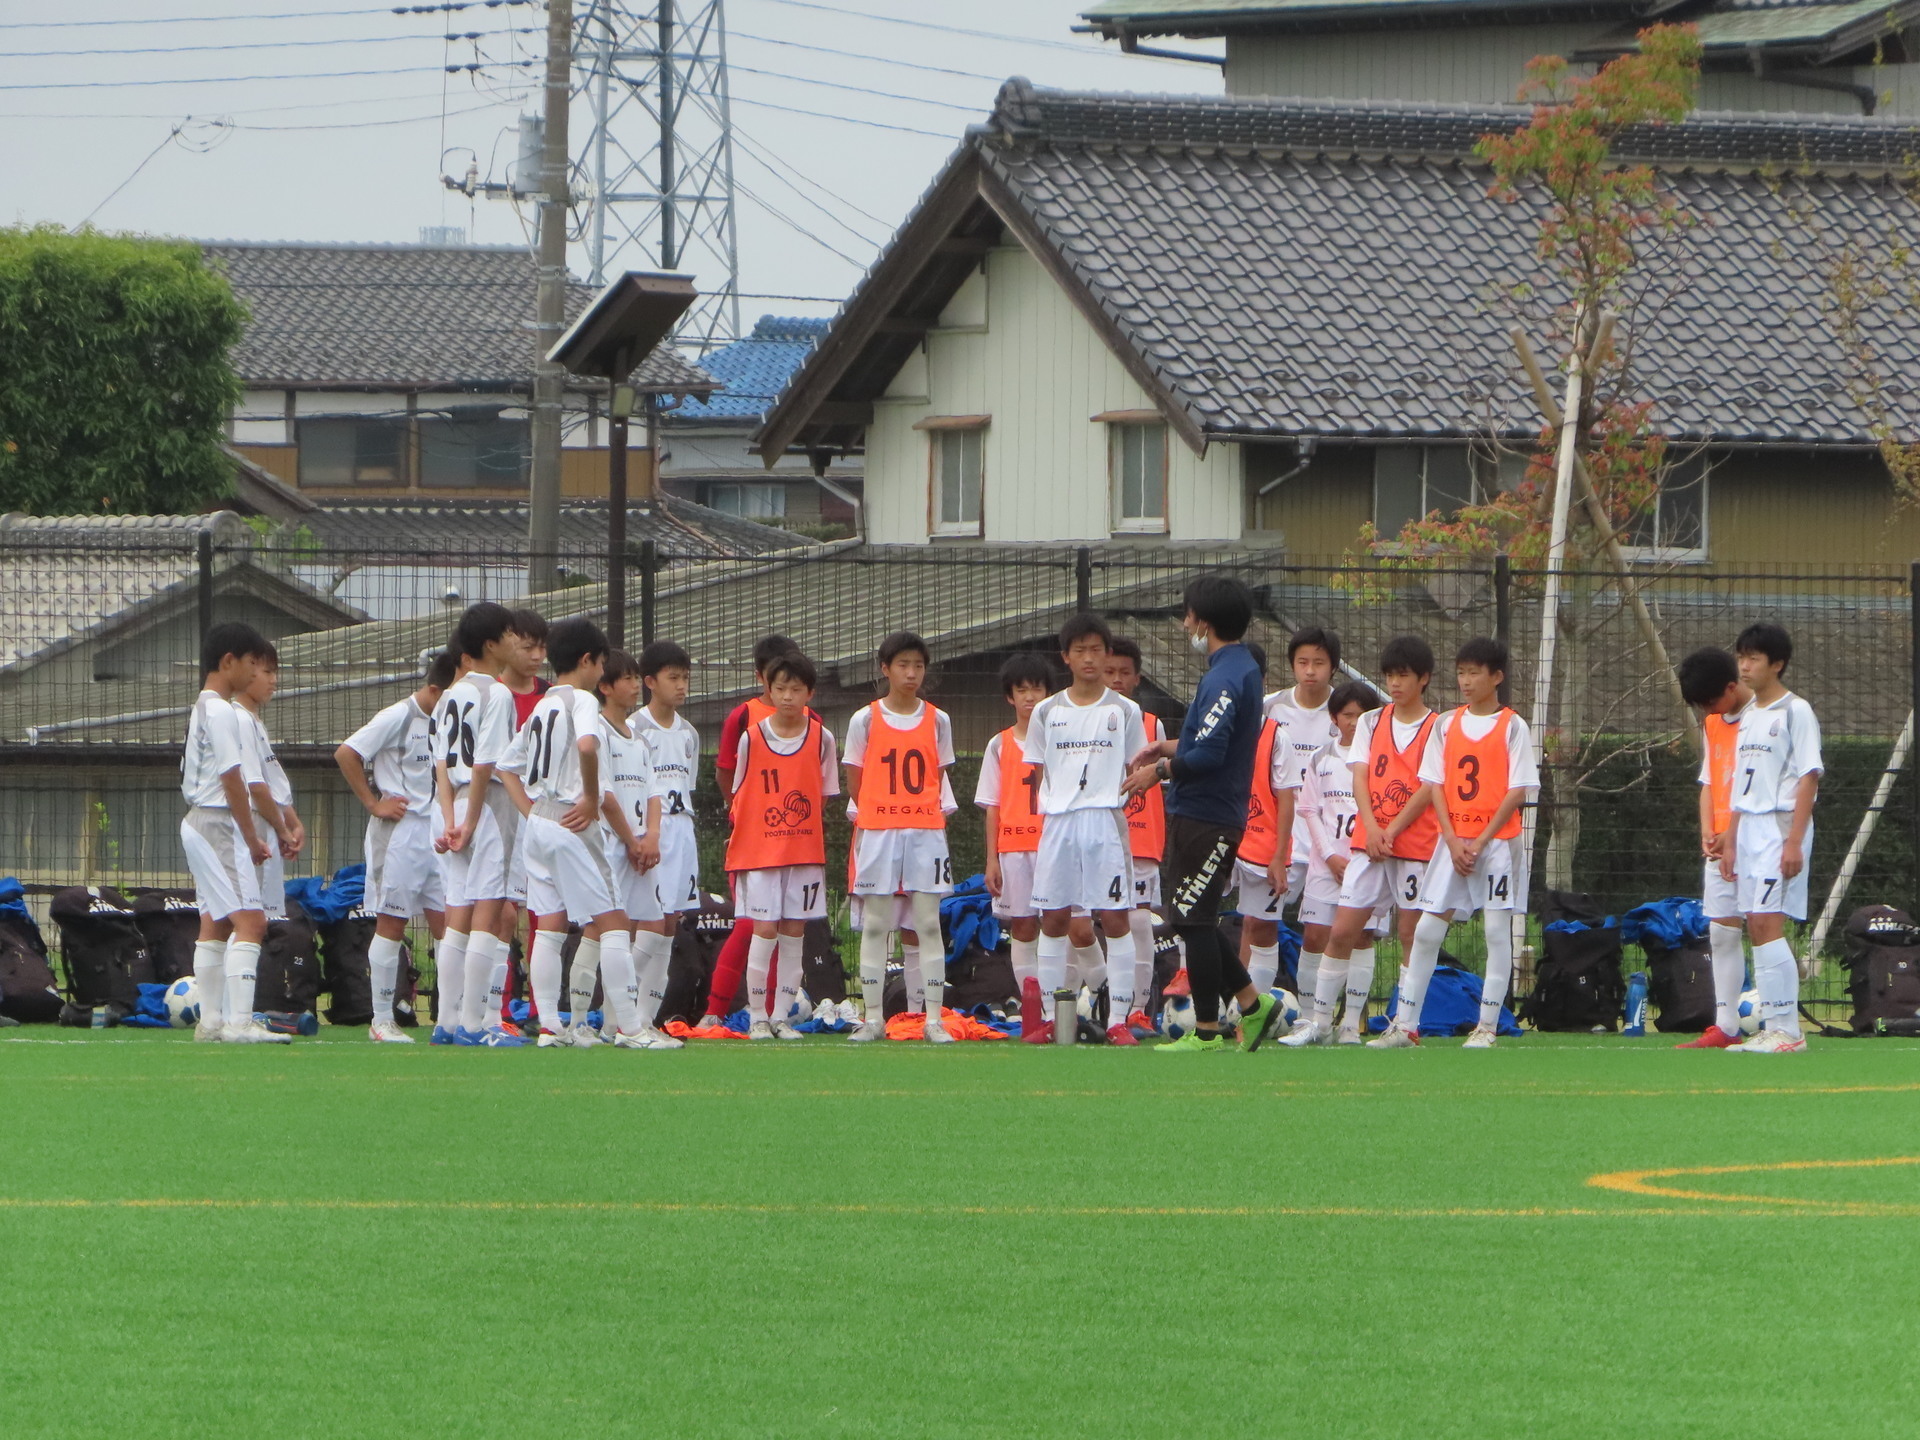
[[1239, 319], [407, 369], [706, 444]]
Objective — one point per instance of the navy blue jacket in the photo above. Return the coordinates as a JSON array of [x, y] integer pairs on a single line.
[[1213, 768]]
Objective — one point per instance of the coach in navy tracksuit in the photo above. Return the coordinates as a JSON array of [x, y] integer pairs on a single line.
[[1211, 769]]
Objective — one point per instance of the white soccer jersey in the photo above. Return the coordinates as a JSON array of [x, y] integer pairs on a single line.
[[215, 745], [1309, 730], [397, 745], [1778, 744], [546, 752], [676, 760], [253, 731], [475, 725], [1083, 750], [1522, 770], [1327, 797], [627, 766]]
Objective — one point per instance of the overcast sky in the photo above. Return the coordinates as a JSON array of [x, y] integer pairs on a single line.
[[306, 153]]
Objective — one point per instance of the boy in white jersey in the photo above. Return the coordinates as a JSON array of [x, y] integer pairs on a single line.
[[631, 814], [479, 824], [388, 763], [666, 671], [223, 843], [897, 755], [1776, 778], [557, 761], [273, 792], [1479, 769], [1710, 680], [1082, 739], [1146, 827], [1313, 655]]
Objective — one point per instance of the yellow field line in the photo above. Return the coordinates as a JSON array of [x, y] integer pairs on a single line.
[[1639, 1182]]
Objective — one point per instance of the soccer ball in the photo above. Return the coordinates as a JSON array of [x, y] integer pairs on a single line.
[[183, 1003], [1749, 1011], [1176, 1017], [1289, 1008]]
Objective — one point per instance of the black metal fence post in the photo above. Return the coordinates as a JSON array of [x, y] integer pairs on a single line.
[[203, 587], [1083, 579], [1503, 619], [649, 568]]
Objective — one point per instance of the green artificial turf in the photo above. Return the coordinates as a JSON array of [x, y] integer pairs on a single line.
[[984, 1240]]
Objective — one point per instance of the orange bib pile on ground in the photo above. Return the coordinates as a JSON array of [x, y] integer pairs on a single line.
[[913, 1026], [680, 1030]]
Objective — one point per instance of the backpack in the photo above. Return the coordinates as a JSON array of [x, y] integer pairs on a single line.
[[696, 947], [103, 951], [1579, 984], [1452, 1006], [981, 977], [1673, 933], [1883, 969], [288, 978], [169, 921], [823, 974], [29, 992], [344, 972]]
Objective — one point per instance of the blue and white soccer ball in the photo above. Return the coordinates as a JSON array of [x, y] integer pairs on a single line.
[[1289, 1005], [1176, 1017], [1749, 1012], [183, 1003]]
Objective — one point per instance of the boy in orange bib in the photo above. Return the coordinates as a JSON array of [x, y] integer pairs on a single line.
[[1710, 679], [899, 750], [1480, 768], [784, 771]]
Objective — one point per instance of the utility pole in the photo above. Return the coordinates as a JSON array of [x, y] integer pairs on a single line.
[[543, 526]]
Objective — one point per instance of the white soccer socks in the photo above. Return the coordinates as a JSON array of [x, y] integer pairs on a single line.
[[1428, 936], [1329, 978], [479, 979], [1263, 966], [581, 980], [1359, 987], [1026, 963], [210, 980], [1729, 975], [933, 955], [874, 930], [1119, 979], [450, 978], [243, 964], [1140, 926], [1499, 976], [1053, 969], [617, 981], [653, 955], [787, 996], [910, 974], [760, 950], [1306, 973], [543, 975], [1775, 976], [383, 960]]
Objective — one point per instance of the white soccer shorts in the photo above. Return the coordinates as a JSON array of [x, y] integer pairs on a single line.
[[1146, 882], [225, 879], [479, 870], [402, 876], [1378, 884], [1321, 897], [567, 874], [636, 892], [857, 910], [890, 862], [513, 830], [1719, 898], [677, 876], [1084, 860], [1761, 888], [1258, 900], [1015, 900], [787, 892], [1498, 881], [273, 875]]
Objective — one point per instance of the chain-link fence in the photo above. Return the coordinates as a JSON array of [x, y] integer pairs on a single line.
[[99, 642]]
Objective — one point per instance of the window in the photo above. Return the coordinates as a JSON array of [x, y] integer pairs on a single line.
[[1411, 481], [747, 500], [481, 451], [959, 458], [1675, 527], [346, 450], [1137, 465]]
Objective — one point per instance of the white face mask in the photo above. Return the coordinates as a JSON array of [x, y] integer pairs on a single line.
[[1198, 642]]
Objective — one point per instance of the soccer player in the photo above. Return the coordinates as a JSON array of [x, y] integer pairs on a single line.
[[479, 825], [1006, 793], [898, 752], [223, 842], [1776, 778], [1710, 679], [731, 963], [1313, 654], [1146, 829], [559, 763], [273, 793], [389, 764], [1081, 739], [1479, 769], [1326, 796], [784, 771], [631, 812], [520, 667], [1264, 864], [674, 747], [1397, 832]]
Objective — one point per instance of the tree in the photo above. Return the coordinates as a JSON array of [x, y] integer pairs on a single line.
[[118, 386]]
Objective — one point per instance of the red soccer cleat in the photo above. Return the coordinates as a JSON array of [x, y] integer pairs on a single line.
[[1041, 1034], [1138, 1021], [1120, 1035], [1714, 1038], [1179, 984]]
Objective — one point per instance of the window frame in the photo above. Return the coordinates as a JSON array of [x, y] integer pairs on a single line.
[[396, 425], [939, 428], [1660, 553], [1119, 521]]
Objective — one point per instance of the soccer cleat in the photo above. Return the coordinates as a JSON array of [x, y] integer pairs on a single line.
[[1140, 1024], [1041, 1034], [1772, 1042], [936, 1033], [658, 1039], [867, 1030], [639, 1041], [760, 1030], [1713, 1038], [1350, 1037], [583, 1036], [1121, 1035], [553, 1039], [1305, 1033], [443, 1035], [1395, 1038], [1179, 984], [785, 1030], [1192, 1045], [211, 1030], [712, 1022], [385, 1032], [1255, 1024], [252, 1032], [1482, 1038], [508, 1028]]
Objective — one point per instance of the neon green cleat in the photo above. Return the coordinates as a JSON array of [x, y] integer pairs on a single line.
[[1191, 1045], [1257, 1021]]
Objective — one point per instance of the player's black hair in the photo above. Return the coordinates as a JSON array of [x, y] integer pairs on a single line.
[[899, 643], [529, 625], [1706, 674], [792, 663], [482, 623], [269, 658], [1259, 654], [619, 665], [1765, 638], [1025, 667], [767, 649], [1081, 626], [1221, 601], [1326, 639], [663, 655], [572, 641], [1410, 653], [1484, 651], [441, 670], [1125, 647], [1353, 693], [232, 637]]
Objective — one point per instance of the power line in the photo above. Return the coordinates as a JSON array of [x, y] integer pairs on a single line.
[[1000, 36], [796, 190], [767, 156], [248, 79], [254, 110], [795, 226], [450, 7], [267, 44], [853, 89], [372, 124], [856, 55], [844, 119]]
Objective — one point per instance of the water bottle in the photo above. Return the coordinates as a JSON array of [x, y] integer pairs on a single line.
[[1066, 1017], [1636, 1004]]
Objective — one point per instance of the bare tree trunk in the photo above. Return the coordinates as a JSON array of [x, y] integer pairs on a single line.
[[1563, 839]]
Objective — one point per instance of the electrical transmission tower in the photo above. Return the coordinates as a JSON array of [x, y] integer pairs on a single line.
[[654, 167]]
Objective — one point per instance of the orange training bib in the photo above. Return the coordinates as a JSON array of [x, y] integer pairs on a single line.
[[777, 817], [1019, 788], [900, 774], [1393, 779], [1476, 782], [1147, 811], [1261, 839], [1723, 743]]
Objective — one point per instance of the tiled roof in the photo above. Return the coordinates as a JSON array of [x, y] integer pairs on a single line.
[[400, 316], [1217, 17], [1821, 30], [754, 370], [498, 528]]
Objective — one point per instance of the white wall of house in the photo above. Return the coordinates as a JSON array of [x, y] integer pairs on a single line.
[[1012, 346], [728, 450]]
